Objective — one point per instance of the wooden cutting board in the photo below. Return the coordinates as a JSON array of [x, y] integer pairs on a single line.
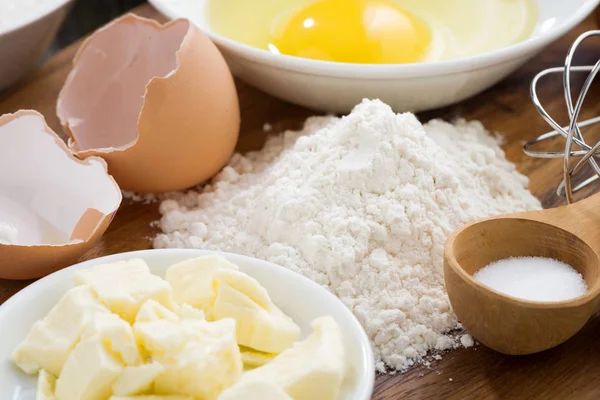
[[570, 371]]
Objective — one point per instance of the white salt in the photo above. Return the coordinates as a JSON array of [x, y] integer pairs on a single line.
[[533, 278]]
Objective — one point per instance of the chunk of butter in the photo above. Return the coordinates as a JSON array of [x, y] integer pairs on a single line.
[[51, 340], [89, 373], [45, 386], [153, 397], [192, 280], [151, 310], [252, 358], [159, 330], [188, 312], [124, 286], [255, 390], [312, 369], [200, 358], [137, 379], [261, 325], [116, 334]]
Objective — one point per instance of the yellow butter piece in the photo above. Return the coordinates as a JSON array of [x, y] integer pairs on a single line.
[[253, 358], [161, 336], [89, 373], [153, 397], [50, 341], [45, 386], [124, 286], [152, 310], [247, 285], [255, 390], [116, 334], [192, 280], [312, 369], [208, 362], [159, 330], [200, 358], [261, 325], [189, 312], [137, 379]]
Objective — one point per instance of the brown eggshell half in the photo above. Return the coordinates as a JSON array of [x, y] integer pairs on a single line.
[[53, 206], [157, 102]]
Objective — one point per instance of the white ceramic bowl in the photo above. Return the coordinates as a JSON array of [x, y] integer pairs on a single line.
[[299, 297], [23, 45], [337, 87]]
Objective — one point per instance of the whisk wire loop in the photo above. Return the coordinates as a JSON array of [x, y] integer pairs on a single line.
[[572, 132]]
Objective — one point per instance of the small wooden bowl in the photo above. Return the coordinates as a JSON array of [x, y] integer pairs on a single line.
[[508, 324]]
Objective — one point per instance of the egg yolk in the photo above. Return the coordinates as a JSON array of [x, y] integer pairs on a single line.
[[353, 31]]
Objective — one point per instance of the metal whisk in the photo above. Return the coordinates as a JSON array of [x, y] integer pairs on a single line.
[[572, 132]]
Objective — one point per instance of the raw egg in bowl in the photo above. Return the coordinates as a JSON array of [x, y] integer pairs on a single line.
[[375, 31], [413, 54]]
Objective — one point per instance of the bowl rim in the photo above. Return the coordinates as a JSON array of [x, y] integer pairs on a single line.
[[35, 17], [365, 373], [452, 263], [503, 55]]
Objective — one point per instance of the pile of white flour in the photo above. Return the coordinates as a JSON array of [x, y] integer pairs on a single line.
[[362, 205]]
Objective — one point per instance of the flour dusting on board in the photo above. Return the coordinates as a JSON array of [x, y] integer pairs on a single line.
[[362, 205]]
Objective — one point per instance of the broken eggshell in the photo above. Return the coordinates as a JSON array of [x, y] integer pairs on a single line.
[[53, 206], [157, 102]]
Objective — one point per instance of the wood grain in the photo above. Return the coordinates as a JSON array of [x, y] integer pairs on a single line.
[[569, 371]]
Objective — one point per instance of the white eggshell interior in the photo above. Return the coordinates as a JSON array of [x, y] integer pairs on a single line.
[[104, 94], [44, 191]]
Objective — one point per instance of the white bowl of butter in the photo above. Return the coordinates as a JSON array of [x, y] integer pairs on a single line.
[[27, 28], [297, 297], [437, 79]]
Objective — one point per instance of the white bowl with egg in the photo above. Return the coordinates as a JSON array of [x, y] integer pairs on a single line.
[[297, 296], [337, 87], [27, 28]]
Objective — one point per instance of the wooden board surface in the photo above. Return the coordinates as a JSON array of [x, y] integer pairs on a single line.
[[569, 371]]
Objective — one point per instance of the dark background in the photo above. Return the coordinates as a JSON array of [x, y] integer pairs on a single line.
[[88, 15]]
